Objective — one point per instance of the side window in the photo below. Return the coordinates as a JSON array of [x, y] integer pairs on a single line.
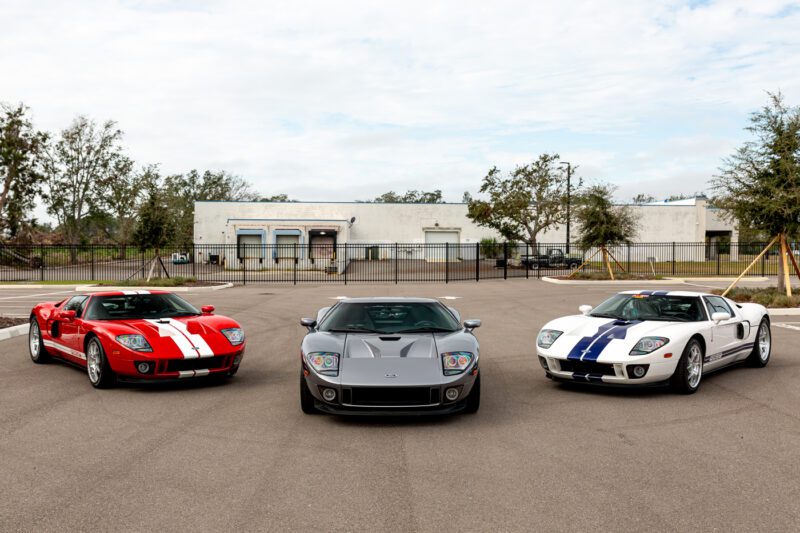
[[76, 303], [718, 305]]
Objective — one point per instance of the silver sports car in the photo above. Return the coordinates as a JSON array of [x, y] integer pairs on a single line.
[[389, 356]]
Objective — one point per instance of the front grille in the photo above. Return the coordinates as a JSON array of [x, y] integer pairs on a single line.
[[587, 367], [211, 363], [391, 396]]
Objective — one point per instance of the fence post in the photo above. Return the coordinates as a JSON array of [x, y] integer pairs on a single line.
[[629, 258], [673, 258], [244, 264], [192, 259], [396, 264], [447, 262], [764, 264], [718, 251], [294, 271], [345, 263], [91, 261], [41, 253], [477, 261], [528, 255], [505, 260]]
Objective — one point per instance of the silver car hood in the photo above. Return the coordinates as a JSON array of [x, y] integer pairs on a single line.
[[409, 359]]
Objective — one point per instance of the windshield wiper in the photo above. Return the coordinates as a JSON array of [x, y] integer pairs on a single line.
[[172, 315], [427, 329], [355, 330], [666, 319], [606, 315]]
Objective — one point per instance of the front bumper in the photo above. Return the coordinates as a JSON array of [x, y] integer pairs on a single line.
[[395, 400], [611, 370], [178, 368]]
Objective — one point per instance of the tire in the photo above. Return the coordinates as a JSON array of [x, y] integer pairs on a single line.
[[689, 373], [474, 398], [306, 399], [36, 349], [97, 368], [762, 350]]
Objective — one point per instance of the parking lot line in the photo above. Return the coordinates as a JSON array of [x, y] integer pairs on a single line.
[[788, 325]]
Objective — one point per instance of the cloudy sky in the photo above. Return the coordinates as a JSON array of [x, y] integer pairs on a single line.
[[345, 100]]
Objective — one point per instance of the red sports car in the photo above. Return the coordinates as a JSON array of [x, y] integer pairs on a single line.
[[136, 335]]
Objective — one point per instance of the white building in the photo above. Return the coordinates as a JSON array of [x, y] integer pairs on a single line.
[[311, 231]]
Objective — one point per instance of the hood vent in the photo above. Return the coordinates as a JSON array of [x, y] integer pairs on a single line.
[[389, 338]]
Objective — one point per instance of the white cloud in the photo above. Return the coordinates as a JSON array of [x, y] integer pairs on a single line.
[[344, 100]]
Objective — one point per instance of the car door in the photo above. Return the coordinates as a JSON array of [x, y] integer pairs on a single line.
[[72, 331], [726, 336]]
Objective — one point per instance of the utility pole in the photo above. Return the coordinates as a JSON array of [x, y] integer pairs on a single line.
[[569, 175]]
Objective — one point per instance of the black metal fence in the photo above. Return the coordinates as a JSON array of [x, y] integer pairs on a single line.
[[372, 262]]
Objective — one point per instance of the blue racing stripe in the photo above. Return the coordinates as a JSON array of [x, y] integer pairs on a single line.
[[590, 348]]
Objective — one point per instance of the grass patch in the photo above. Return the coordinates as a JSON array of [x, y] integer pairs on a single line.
[[766, 296], [175, 281], [603, 276]]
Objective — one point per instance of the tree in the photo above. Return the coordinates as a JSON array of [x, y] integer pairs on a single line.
[[122, 197], [76, 169], [153, 228], [184, 190], [20, 171], [277, 198], [602, 224], [759, 185], [411, 197], [528, 201], [640, 199]]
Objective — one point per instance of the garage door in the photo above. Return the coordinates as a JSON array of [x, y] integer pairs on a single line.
[[435, 251], [287, 245], [249, 246]]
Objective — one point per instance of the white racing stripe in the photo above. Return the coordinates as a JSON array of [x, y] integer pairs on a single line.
[[66, 349], [193, 373], [165, 329], [197, 340], [191, 345]]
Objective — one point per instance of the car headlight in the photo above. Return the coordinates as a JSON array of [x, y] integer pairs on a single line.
[[137, 343], [456, 362], [648, 344], [547, 337], [234, 335], [324, 362]]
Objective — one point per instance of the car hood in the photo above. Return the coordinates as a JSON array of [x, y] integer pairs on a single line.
[[604, 335], [184, 337], [390, 359]]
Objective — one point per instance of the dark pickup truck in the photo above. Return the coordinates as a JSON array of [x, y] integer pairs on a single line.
[[554, 258]]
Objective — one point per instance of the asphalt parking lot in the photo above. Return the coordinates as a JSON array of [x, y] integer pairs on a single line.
[[538, 456]]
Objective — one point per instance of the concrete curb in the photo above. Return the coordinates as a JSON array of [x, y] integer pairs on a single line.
[[687, 279], [14, 286], [618, 282], [795, 311], [99, 288], [14, 331]]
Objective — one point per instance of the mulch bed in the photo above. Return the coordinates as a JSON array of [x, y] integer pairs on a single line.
[[7, 321]]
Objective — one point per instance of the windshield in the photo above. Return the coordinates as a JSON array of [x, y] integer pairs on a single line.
[[132, 306], [412, 317], [651, 307]]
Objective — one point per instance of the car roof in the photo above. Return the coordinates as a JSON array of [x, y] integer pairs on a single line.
[[124, 292], [668, 293], [389, 299]]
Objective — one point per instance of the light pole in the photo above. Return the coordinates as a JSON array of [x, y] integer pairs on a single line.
[[569, 175]]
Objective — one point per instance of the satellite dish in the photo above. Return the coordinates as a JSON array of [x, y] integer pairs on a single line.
[[352, 220]]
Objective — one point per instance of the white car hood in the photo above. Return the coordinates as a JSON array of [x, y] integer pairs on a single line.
[[588, 338]]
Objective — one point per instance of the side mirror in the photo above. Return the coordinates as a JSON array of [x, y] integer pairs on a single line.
[[585, 309], [472, 323], [309, 323], [207, 309], [67, 316], [720, 317]]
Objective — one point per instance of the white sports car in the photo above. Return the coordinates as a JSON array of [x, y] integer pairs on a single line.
[[654, 337]]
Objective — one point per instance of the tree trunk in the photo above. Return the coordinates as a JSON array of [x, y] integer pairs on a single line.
[[122, 251], [781, 275]]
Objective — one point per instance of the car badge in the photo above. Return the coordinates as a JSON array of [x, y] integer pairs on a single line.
[[390, 375]]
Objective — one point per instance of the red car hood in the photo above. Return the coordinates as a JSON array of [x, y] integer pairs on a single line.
[[185, 337]]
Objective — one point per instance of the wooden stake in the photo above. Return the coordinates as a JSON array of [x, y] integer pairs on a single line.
[[794, 264], [617, 262], [608, 264], [746, 270], [787, 280], [584, 263]]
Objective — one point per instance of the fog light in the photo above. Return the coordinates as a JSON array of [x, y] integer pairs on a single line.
[[543, 362], [143, 368], [237, 359], [637, 371], [451, 394], [329, 395]]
